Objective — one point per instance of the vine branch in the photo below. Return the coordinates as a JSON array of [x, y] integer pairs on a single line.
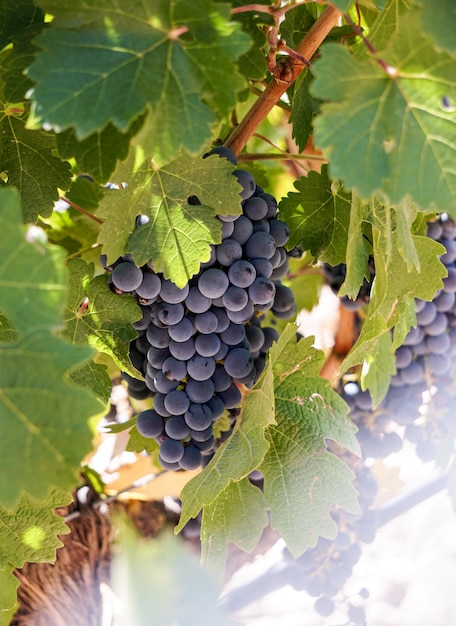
[[273, 92]]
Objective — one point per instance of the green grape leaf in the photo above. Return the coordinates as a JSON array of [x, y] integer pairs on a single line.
[[32, 276], [318, 215], [29, 533], [46, 439], [378, 367], [156, 54], [99, 153], [47, 415], [394, 290], [237, 515], [94, 377], [239, 455], [27, 160], [99, 317], [391, 131], [438, 19], [304, 107], [163, 578], [178, 236], [8, 594], [297, 465]]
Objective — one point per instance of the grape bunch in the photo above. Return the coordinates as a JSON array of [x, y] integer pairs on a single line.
[[199, 344]]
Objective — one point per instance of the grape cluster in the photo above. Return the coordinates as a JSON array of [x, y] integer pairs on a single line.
[[197, 345]]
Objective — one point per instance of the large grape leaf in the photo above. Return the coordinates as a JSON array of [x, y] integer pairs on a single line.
[[175, 60], [46, 434], [439, 20], [237, 515], [46, 415], [302, 480], [27, 161], [97, 316], [308, 411], [178, 235], [391, 131], [238, 456], [318, 215]]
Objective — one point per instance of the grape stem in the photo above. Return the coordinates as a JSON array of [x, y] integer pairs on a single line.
[[277, 87], [81, 210]]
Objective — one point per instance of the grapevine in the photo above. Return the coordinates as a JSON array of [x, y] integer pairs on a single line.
[[184, 186]]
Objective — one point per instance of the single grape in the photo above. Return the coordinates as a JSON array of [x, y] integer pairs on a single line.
[[228, 252], [213, 283], [247, 182], [200, 391], [182, 331], [174, 369], [127, 277], [238, 363], [207, 345], [235, 298], [150, 286], [177, 402], [149, 423], [191, 459], [198, 417], [176, 427], [171, 450], [206, 322], [260, 245], [262, 291], [201, 368], [196, 302], [171, 293], [255, 208], [241, 274], [242, 229], [170, 314]]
